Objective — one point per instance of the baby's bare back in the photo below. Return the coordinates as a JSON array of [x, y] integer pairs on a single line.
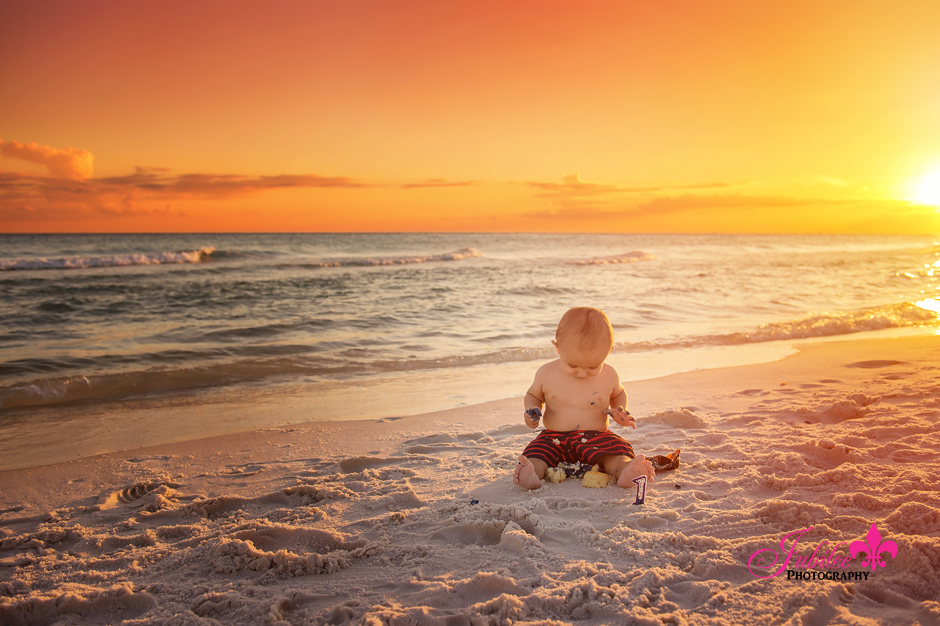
[[576, 404]]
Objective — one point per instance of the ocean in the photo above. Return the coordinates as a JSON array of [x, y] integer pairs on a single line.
[[113, 342]]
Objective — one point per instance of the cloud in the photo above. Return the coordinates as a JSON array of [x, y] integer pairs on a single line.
[[691, 202], [70, 163], [574, 193], [574, 187], [439, 182], [579, 213], [37, 198], [666, 205], [581, 200], [156, 182], [24, 195]]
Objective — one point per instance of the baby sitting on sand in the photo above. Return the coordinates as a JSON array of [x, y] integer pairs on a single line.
[[579, 391]]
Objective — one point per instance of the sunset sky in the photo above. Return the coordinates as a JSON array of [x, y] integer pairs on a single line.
[[445, 115]]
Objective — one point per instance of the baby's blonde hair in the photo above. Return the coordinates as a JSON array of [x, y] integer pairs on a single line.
[[586, 325]]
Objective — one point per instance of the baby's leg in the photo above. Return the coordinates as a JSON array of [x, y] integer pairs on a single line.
[[529, 472], [625, 469]]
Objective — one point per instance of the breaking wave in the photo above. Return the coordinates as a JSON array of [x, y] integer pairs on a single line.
[[201, 255], [902, 315], [616, 259], [831, 324], [457, 255], [303, 362]]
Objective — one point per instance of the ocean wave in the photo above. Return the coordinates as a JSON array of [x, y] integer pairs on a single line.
[[825, 324], [840, 323], [62, 390], [616, 259], [457, 255], [201, 255], [55, 390]]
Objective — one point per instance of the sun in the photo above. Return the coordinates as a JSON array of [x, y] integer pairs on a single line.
[[927, 190]]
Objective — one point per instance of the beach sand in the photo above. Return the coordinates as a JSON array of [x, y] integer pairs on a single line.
[[416, 520]]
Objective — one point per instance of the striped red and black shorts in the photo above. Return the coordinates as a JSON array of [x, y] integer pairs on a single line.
[[576, 446]]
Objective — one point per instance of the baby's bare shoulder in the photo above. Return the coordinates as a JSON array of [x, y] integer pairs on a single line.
[[548, 375], [545, 373], [549, 368], [611, 375]]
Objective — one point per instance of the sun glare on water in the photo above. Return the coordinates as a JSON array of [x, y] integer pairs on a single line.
[[931, 304], [927, 190]]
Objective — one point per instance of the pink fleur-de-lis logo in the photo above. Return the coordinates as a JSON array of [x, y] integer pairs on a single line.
[[873, 547]]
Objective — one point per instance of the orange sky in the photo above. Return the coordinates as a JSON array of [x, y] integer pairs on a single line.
[[624, 116]]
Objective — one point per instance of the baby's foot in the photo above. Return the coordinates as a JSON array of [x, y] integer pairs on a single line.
[[638, 466], [524, 474]]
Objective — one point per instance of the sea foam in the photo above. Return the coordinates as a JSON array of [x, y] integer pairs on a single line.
[[457, 255], [119, 260], [617, 259]]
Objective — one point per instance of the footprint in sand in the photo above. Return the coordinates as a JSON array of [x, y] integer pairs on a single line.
[[89, 605], [296, 539], [721, 527], [484, 533], [651, 522], [690, 594], [360, 463], [845, 410], [898, 376], [135, 492], [213, 507], [828, 454], [875, 364], [442, 442], [443, 438], [711, 439], [243, 470], [144, 459], [752, 392], [434, 449], [286, 551], [484, 524], [511, 429]]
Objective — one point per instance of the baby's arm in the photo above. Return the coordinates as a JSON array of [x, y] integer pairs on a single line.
[[618, 404], [619, 399], [534, 399]]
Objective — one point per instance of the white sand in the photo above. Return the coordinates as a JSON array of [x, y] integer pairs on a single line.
[[417, 521]]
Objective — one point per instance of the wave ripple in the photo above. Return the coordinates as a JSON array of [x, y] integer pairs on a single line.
[[120, 260], [458, 255]]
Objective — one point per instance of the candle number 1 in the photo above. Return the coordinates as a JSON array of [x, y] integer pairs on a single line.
[[640, 489]]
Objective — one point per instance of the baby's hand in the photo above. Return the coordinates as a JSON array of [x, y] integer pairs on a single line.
[[622, 416], [532, 417]]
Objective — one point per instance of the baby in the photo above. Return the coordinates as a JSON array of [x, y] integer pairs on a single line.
[[579, 391]]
